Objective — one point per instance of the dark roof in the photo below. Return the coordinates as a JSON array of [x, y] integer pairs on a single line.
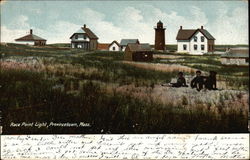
[[139, 47], [236, 53], [114, 42], [160, 22], [207, 34], [90, 34], [186, 34], [125, 42], [30, 37], [86, 31]]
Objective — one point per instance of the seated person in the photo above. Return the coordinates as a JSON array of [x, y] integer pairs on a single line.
[[181, 81], [198, 81], [210, 82]]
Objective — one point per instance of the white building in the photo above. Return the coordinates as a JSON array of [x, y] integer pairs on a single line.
[[85, 39], [236, 56], [114, 46], [194, 41]]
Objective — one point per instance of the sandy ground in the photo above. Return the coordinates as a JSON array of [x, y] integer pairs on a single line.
[[186, 96], [161, 67]]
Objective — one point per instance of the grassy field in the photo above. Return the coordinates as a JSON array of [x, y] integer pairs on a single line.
[[59, 84], [236, 77]]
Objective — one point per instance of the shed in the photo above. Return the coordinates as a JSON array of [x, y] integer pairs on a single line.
[[236, 56], [138, 52], [125, 42]]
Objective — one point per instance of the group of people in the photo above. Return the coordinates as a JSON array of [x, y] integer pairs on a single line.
[[199, 82]]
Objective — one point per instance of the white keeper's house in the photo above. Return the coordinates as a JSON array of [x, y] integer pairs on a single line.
[[195, 41], [85, 39]]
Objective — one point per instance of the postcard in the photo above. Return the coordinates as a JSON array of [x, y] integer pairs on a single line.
[[124, 79]]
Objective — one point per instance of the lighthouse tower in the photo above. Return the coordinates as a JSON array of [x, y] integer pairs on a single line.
[[160, 37]]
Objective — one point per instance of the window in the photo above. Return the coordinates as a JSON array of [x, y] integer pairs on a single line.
[[79, 46], [195, 38], [76, 36], [84, 37], [184, 47], [202, 47], [202, 38], [195, 47], [247, 60], [113, 48]]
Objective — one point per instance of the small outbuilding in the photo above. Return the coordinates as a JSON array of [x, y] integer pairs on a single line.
[[114, 46], [236, 56], [125, 42], [31, 39], [138, 52]]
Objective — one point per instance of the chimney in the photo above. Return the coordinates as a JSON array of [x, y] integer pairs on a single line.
[[201, 27], [31, 32], [180, 27], [84, 26]]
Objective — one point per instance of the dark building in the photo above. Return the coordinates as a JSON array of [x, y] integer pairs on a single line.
[[138, 52], [125, 42], [85, 39], [31, 39], [160, 37]]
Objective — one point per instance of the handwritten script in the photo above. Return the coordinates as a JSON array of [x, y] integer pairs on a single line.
[[167, 146]]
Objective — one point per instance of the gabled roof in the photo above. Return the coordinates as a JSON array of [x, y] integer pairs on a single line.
[[87, 31], [207, 34], [30, 37], [80, 31], [113, 43], [186, 34], [125, 42], [237, 53], [102, 46], [90, 33], [139, 47]]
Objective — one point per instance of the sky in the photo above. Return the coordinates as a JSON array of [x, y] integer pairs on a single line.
[[57, 20]]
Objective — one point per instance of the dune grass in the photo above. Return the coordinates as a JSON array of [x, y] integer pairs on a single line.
[[76, 86], [28, 97]]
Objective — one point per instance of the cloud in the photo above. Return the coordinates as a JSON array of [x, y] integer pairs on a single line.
[[9, 35], [17, 28], [35, 10], [20, 22], [231, 27], [58, 32], [138, 22], [105, 30]]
